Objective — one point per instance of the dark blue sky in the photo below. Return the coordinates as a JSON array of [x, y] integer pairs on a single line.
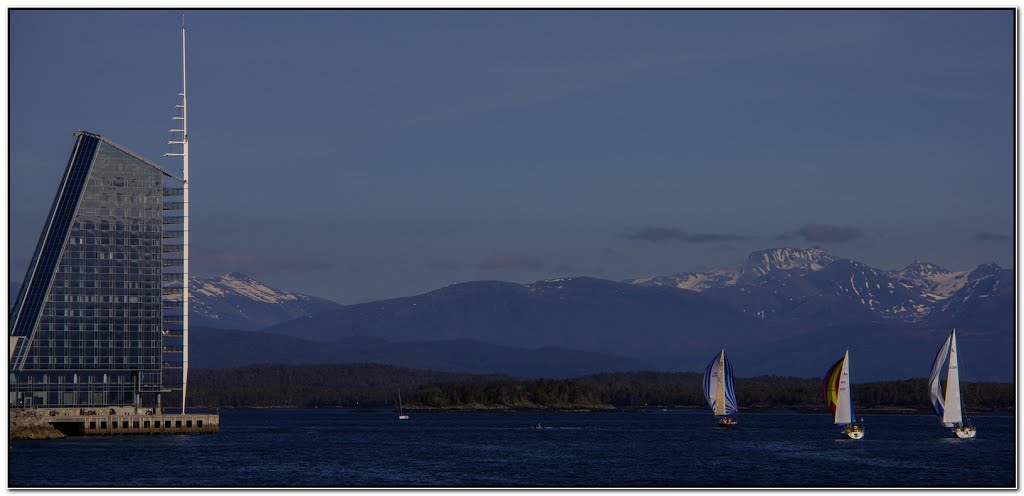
[[368, 154]]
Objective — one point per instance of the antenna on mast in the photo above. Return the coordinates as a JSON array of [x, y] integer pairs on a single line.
[[180, 137]]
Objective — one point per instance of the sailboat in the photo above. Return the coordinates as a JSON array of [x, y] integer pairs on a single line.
[[719, 391], [948, 407], [837, 396], [401, 416]]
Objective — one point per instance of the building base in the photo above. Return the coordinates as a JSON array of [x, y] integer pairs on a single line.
[[108, 421]]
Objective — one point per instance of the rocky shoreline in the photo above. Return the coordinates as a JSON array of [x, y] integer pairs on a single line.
[[30, 424]]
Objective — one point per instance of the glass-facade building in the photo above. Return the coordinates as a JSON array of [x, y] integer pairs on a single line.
[[98, 318]]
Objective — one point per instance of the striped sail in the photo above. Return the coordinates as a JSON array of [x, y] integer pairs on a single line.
[[837, 390], [719, 390]]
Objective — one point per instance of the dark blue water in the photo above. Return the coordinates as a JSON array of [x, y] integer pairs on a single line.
[[335, 448]]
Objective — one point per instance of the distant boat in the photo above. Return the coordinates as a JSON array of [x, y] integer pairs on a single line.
[[949, 408], [401, 416], [719, 391], [837, 396]]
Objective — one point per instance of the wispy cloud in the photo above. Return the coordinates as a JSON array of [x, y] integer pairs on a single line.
[[988, 236], [824, 233], [511, 262], [221, 260], [664, 234]]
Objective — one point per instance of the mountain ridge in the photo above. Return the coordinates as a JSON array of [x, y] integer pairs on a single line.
[[809, 298], [922, 292], [238, 301], [223, 348]]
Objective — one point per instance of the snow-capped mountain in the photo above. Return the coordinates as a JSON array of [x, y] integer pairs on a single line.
[[876, 290], [775, 261], [937, 283], [237, 301], [696, 281], [983, 299], [792, 260], [811, 282]]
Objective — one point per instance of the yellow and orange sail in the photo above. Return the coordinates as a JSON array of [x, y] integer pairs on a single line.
[[837, 390]]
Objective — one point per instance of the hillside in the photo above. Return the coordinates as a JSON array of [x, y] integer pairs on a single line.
[[217, 348]]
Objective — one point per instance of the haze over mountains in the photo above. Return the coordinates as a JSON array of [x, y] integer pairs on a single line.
[[785, 311]]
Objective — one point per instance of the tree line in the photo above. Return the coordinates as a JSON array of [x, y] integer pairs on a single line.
[[376, 386]]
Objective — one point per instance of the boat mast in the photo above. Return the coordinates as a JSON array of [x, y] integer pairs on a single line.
[[720, 388]]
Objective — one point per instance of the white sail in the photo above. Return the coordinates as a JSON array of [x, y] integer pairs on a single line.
[[952, 414], [934, 386], [844, 410]]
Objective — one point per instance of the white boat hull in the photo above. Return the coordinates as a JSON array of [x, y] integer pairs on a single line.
[[965, 432], [854, 432], [403, 417]]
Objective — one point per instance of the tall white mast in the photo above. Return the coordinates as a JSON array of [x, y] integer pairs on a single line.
[[184, 165], [184, 262]]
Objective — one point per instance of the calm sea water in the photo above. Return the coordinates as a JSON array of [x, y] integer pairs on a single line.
[[336, 448]]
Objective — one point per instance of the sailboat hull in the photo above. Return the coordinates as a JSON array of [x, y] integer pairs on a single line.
[[854, 432], [727, 422], [965, 432]]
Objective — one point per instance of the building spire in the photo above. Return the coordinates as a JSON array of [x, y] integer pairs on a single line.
[[180, 137]]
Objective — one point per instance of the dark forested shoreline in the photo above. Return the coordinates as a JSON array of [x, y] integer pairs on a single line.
[[375, 386]]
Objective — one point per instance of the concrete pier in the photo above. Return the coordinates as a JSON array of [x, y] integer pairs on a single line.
[[108, 421]]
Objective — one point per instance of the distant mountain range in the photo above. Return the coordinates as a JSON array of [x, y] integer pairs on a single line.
[[786, 311], [219, 348], [787, 283], [651, 323]]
